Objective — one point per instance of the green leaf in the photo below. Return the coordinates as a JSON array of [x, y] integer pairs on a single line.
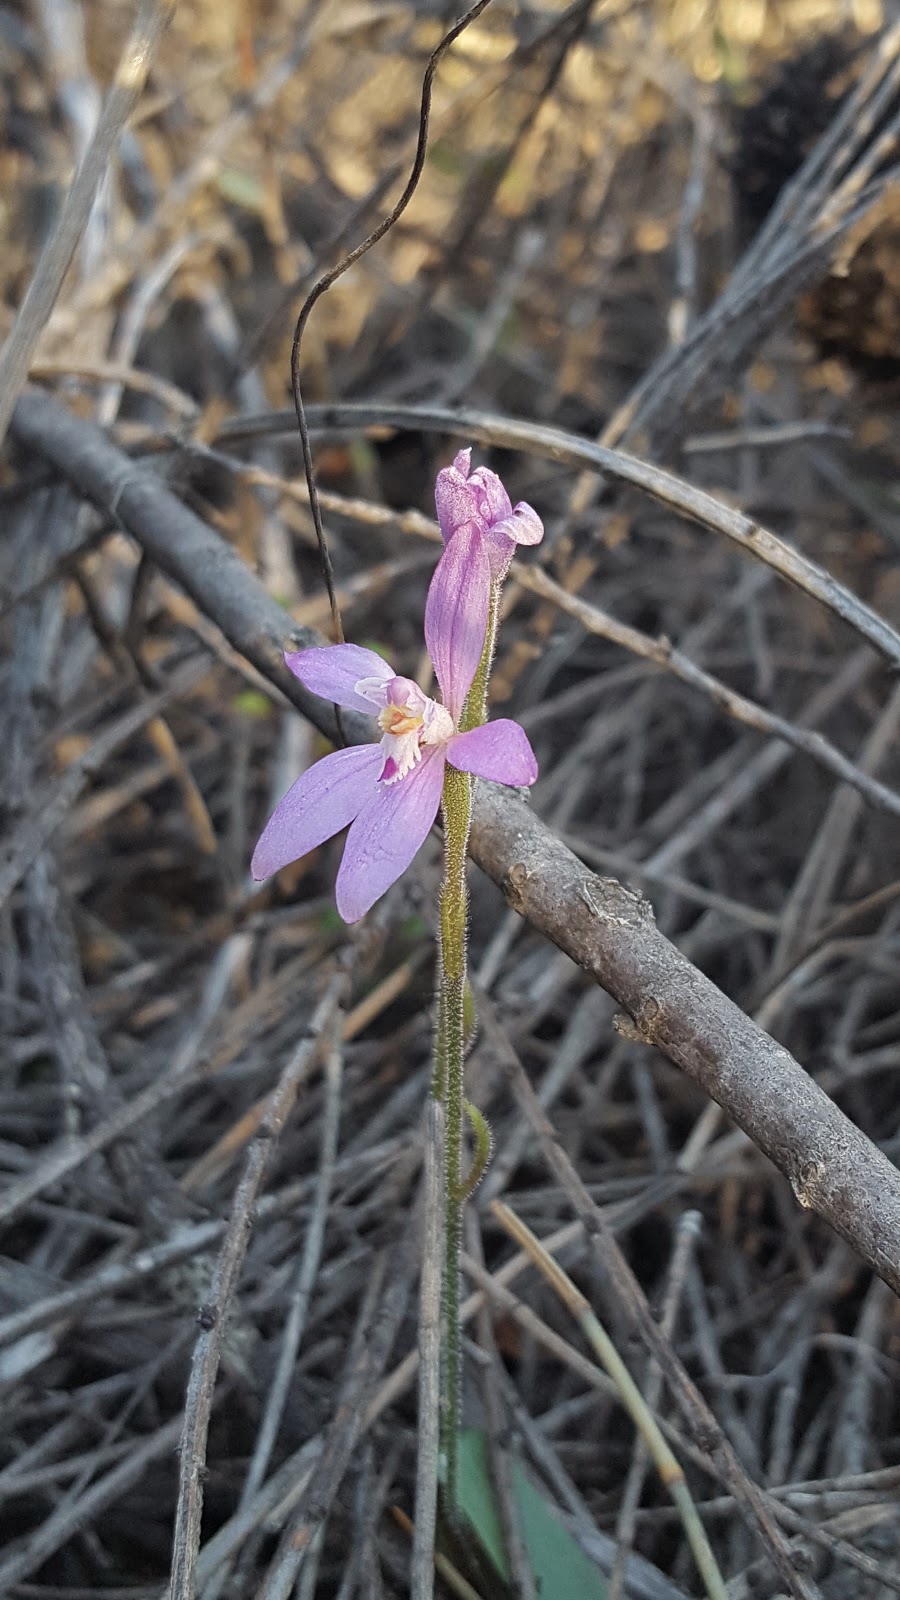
[[558, 1562]]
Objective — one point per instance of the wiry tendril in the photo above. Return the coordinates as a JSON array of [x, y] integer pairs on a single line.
[[330, 277]]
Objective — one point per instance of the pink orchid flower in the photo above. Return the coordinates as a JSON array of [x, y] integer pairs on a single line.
[[466, 499], [389, 792]]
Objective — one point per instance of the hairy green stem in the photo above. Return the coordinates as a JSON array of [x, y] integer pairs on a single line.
[[475, 711], [450, 1046], [455, 1024]]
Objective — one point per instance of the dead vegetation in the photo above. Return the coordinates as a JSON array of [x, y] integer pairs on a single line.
[[211, 1096]]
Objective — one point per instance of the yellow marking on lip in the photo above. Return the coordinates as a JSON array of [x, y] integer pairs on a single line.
[[399, 720]]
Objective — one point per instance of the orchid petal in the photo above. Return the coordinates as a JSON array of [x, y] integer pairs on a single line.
[[498, 750], [324, 799], [500, 552], [333, 671], [386, 836], [456, 500], [493, 501], [522, 526], [456, 614], [467, 500]]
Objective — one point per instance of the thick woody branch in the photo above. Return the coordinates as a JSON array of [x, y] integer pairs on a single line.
[[607, 929], [610, 931]]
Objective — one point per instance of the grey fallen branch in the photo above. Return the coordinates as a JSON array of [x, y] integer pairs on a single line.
[[607, 929]]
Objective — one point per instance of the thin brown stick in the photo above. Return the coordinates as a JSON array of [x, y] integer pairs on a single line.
[[50, 804], [687, 1235], [309, 1266], [61, 1525], [429, 1350], [62, 243], [116, 1276], [382, 1308], [213, 1314], [66, 1155], [700, 1419], [497, 1434], [664, 654]]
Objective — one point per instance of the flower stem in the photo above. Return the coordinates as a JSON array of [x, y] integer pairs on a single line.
[[476, 710], [454, 1026], [447, 1085]]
